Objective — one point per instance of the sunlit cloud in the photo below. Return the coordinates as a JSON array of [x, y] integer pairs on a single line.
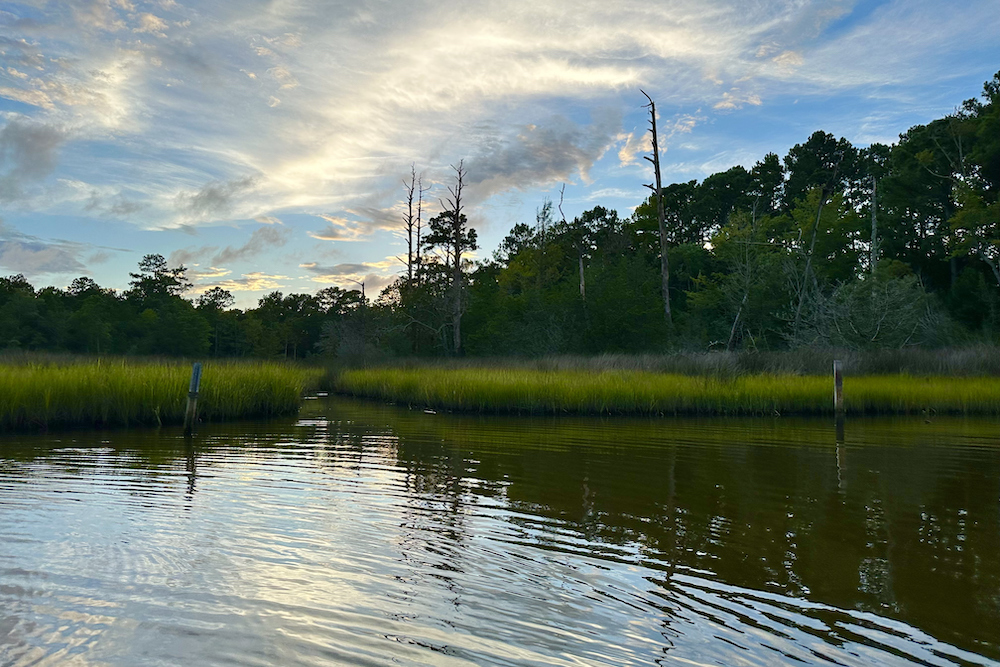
[[343, 229], [211, 272], [248, 282]]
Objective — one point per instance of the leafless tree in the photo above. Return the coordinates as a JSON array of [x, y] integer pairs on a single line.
[[410, 223], [658, 192], [450, 231]]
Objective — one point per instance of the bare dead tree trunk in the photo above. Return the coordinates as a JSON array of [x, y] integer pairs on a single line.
[[409, 221], [874, 255], [658, 191], [736, 321], [579, 245], [807, 274], [455, 212]]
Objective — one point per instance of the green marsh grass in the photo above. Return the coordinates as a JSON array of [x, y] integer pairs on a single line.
[[641, 392], [124, 392]]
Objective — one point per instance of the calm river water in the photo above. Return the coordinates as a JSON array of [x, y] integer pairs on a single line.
[[367, 534]]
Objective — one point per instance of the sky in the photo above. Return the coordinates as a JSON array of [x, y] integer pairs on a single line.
[[263, 144]]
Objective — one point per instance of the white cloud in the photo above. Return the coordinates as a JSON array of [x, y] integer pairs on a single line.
[[33, 97], [150, 23], [283, 76], [736, 99], [343, 229]]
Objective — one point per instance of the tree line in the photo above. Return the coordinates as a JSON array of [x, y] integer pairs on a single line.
[[831, 245]]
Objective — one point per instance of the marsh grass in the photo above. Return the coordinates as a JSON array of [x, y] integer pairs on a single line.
[[970, 361], [43, 392], [525, 390]]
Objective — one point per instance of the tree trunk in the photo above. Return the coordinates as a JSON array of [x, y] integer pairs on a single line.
[[874, 257], [812, 246], [658, 191], [457, 244]]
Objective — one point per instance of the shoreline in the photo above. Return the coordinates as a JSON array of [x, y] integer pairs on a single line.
[[618, 392], [121, 392]]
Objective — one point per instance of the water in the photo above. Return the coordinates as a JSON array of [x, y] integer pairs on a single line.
[[366, 534]]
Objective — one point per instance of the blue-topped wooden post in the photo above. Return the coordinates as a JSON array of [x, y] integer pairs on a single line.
[[192, 403]]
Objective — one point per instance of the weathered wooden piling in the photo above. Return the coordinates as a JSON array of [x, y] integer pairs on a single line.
[[192, 403], [838, 388]]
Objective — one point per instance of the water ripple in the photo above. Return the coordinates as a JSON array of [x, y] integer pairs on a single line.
[[379, 536]]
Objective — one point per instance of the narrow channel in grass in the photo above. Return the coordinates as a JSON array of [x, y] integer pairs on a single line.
[[640, 392], [124, 392]]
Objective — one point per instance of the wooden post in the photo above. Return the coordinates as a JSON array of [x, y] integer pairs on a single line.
[[192, 403], [838, 388]]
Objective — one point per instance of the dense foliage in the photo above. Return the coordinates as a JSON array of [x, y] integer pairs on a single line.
[[834, 245]]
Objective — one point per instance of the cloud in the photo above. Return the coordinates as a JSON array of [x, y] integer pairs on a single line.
[[248, 282], [27, 154], [214, 199], [262, 238], [190, 255], [342, 229], [118, 205], [283, 76], [788, 60], [541, 154], [99, 257], [99, 14], [35, 98], [636, 144], [375, 275], [736, 100], [365, 91], [337, 270], [34, 256], [150, 23], [211, 272]]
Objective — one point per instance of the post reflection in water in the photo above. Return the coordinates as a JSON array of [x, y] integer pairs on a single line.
[[366, 534]]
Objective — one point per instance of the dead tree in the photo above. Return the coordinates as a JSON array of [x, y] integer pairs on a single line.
[[875, 244], [457, 234], [450, 230], [579, 246], [410, 223], [658, 192], [824, 194]]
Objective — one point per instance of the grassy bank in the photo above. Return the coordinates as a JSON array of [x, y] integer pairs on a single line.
[[967, 361], [75, 392], [643, 392]]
